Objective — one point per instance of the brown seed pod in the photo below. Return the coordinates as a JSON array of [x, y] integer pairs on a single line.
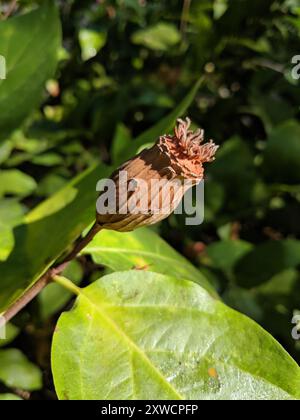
[[150, 186]]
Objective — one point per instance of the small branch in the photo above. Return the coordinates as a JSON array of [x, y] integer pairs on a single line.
[[81, 244], [50, 275], [28, 296]]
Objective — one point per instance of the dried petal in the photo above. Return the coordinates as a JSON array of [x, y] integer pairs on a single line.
[[164, 167]]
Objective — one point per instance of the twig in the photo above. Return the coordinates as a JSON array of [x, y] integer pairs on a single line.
[[81, 244], [47, 278]]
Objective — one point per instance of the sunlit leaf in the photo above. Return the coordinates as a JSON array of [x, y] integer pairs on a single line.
[[147, 336]]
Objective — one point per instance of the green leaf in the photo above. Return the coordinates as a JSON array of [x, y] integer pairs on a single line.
[[6, 242], [16, 182], [244, 301], [50, 185], [11, 332], [11, 211], [278, 298], [48, 159], [282, 155], [142, 249], [29, 44], [267, 260], [5, 150], [9, 397], [214, 199], [160, 37], [17, 372], [47, 232], [220, 7], [147, 336], [225, 254], [121, 142], [235, 157], [164, 125], [11, 214], [91, 42]]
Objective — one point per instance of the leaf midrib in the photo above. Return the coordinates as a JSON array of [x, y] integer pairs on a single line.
[[204, 356], [130, 343]]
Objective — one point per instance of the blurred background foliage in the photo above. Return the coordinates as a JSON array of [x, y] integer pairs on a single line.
[[124, 65]]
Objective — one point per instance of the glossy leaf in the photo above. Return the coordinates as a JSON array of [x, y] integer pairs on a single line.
[[29, 44], [142, 249], [147, 336]]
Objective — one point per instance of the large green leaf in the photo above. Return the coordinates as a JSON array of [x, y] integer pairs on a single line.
[[48, 231], [138, 335], [142, 249], [29, 44]]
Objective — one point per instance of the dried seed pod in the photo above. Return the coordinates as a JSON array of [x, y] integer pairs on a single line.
[[148, 187]]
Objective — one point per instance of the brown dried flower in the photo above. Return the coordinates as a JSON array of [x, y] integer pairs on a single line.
[[156, 179]]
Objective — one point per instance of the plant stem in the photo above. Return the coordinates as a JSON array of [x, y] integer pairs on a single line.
[[50, 275], [67, 284], [28, 296], [81, 244]]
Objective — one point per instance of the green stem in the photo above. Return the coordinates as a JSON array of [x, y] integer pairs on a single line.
[[67, 284]]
